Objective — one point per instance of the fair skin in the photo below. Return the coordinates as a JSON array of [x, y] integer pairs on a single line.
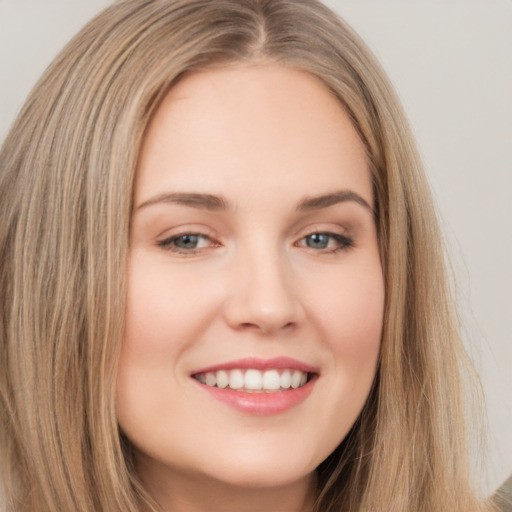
[[253, 251]]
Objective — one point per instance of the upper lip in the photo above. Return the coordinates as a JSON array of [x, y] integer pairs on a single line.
[[276, 363]]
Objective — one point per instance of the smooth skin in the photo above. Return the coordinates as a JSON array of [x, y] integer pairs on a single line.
[[262, 269]]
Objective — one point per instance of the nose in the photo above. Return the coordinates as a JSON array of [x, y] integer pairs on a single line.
[[263, 296]]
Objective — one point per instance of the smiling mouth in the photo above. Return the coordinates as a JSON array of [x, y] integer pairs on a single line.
[[254, 381]]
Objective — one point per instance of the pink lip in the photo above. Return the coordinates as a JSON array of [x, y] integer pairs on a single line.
[[261, 404], [276, 363]]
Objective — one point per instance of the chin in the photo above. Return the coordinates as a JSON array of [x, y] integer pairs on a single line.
[[257, 475]]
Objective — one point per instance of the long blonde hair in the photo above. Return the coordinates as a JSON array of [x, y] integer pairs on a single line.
[[67, 172]]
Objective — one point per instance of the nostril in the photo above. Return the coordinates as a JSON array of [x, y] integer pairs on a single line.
[[248, 326], [266, 327]]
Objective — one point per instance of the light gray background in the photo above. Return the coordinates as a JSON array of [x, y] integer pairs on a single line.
[[451, 61]]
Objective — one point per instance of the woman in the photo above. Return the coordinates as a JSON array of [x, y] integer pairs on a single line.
[[223, 282]]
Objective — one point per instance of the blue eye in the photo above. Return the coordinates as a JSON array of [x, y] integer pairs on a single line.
[[332, 242], [318, 241], [185, 243]]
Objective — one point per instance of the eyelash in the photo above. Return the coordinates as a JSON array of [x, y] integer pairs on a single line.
[[169, 244], [342, 243]]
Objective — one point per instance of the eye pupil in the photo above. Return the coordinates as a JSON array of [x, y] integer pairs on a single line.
[[318, 240], [186, 241]]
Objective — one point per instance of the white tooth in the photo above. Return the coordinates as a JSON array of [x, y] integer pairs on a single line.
[[222, 379], [286, 379], [271, 380], [201, 378], [296, 378], [236, 379], [253, 379], [211, 380], [303, 379]]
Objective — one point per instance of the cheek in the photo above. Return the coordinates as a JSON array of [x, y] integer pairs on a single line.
[[165, 315], [350, 316], [349, 307], [359, 324], [165, 309], [355, 337]]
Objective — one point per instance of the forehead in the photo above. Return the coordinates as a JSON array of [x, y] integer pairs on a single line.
[[253, 126]]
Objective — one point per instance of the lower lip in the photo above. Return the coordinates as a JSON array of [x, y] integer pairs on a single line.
[[261, 404]]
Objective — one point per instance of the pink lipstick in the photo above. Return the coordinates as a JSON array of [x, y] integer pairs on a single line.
[[258, 386]]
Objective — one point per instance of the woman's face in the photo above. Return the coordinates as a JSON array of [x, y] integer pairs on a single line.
[[256, 293]]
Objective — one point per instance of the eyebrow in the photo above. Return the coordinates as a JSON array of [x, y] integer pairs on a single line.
[[218, 203], [202, 201], [326, 200]]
